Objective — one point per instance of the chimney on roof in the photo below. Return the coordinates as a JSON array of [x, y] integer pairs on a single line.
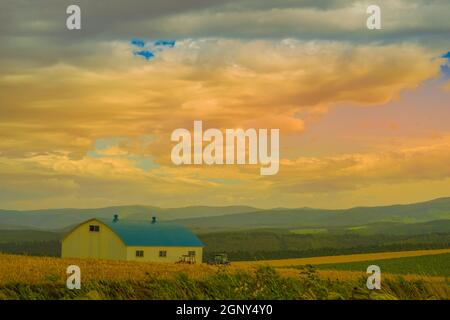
[[116, 218], [153, 220]]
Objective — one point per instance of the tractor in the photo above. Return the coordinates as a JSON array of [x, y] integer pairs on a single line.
[[220, 259]]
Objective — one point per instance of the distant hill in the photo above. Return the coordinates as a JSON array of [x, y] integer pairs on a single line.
[[438, 209], [234, 217], [57, 219]]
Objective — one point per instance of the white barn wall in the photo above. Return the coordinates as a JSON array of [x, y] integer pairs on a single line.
[[173, 253]]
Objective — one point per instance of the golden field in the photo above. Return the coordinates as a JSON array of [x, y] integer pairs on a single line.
[[44, 278], [32, 270]]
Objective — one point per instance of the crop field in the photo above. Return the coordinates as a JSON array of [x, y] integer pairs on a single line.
[[432, 265], [342, 258], [26, 277]]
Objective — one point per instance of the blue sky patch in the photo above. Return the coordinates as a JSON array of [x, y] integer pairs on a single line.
[[165, 43], [138, 42], [147, 54], [106, 143], [445, 68], [150, 49], [144, 162]]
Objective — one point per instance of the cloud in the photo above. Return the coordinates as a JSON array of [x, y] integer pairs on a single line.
[[226, 83], [35, 33], [40, 180], [402, 21], [425, 161], [83, 120]]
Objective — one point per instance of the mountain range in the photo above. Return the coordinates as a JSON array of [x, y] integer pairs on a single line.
[[234, 217]]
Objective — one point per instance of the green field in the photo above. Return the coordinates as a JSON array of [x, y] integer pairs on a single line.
[[309, 231], [431, 265]]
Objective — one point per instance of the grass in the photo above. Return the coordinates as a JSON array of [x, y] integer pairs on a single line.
[[309, 231], [25, 277], [263, 283], [432, 265]]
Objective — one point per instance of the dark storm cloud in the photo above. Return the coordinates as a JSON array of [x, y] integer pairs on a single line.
[[34, 32], [37, 29]]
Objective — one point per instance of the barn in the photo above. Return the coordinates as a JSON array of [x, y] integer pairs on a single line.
[[121, 239]]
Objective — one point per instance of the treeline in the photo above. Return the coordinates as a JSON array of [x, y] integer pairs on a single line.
[[275, 241], [291, 254], [266, 245], [50, 248]]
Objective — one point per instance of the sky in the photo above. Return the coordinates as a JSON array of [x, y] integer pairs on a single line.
[[86, 115]]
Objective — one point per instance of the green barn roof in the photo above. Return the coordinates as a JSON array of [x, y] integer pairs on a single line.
[[148, 233]]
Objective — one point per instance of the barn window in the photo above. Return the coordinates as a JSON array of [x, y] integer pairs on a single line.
[[163, 254], [139, 253], [191, 253], [93, 228]]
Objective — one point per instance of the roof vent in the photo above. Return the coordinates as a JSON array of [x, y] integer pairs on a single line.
[[153, 220], [116, 218]]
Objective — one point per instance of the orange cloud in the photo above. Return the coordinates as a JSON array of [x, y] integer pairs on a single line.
[[225, 83], [52, 117]]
